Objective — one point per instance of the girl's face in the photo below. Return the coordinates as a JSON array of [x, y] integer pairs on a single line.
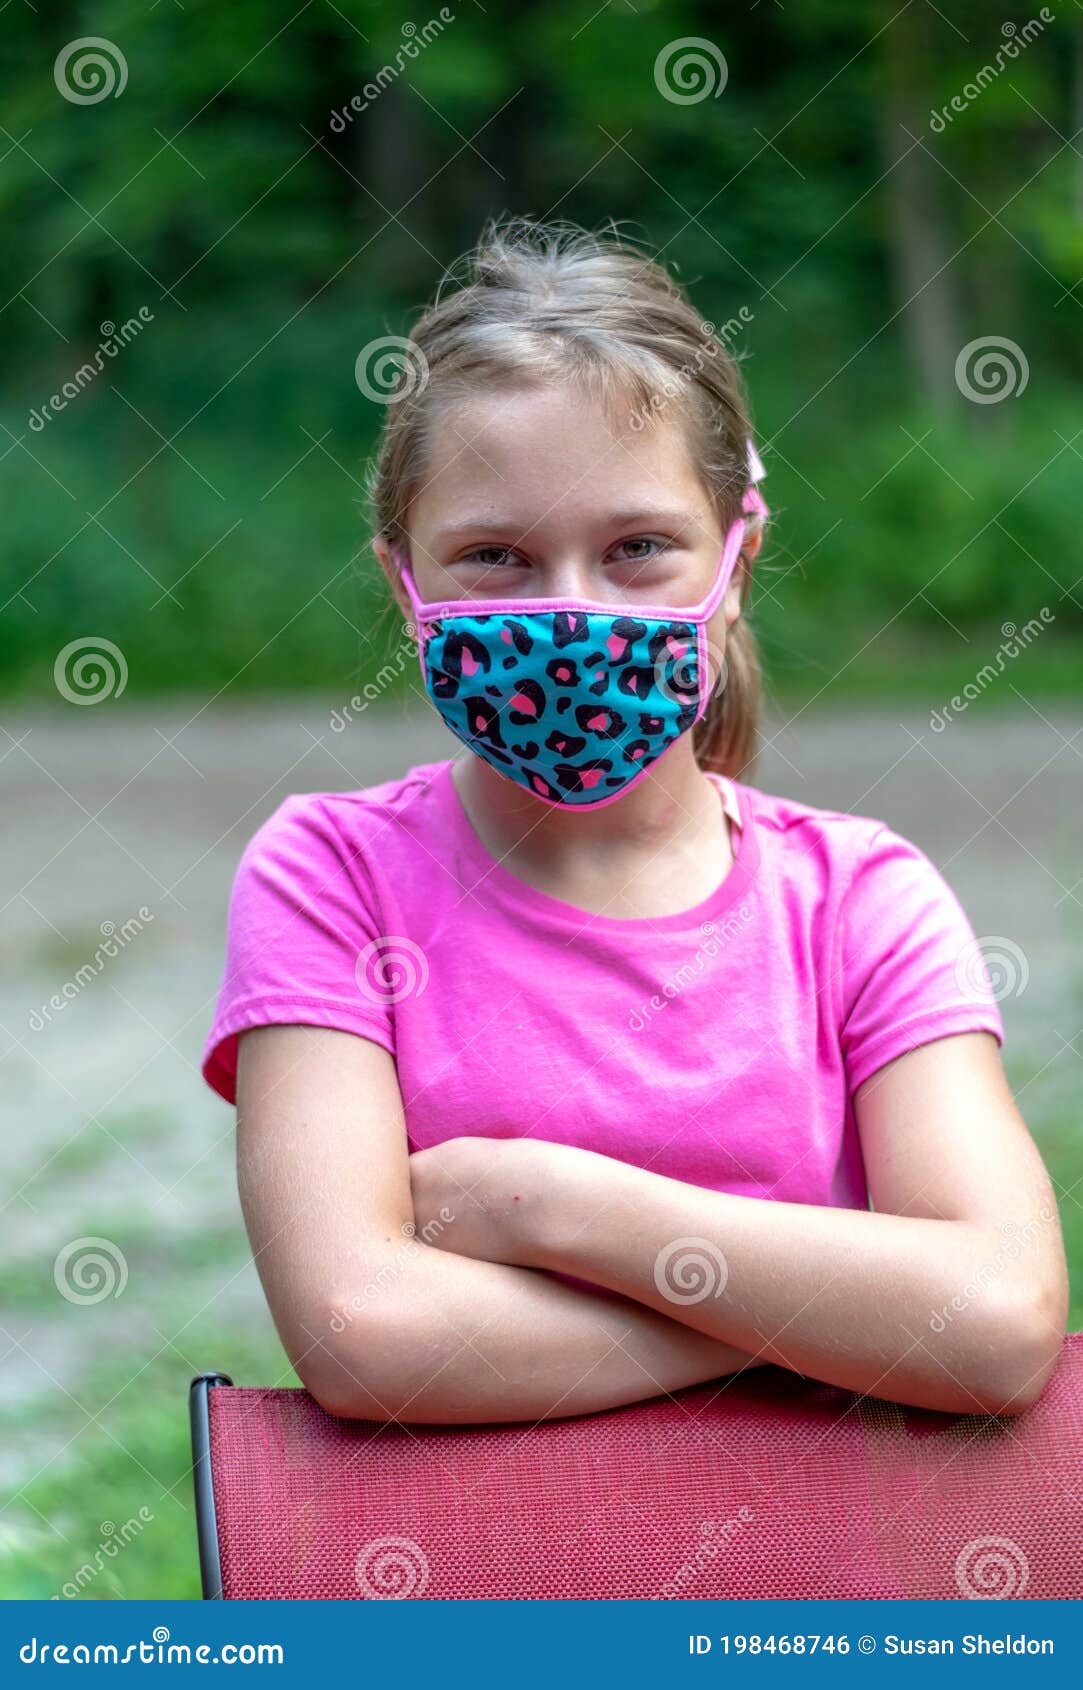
[[539, 493]]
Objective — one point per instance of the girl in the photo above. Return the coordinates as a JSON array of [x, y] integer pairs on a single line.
[[576, 1070]]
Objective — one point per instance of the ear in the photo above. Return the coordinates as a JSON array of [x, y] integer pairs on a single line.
[[732, 604], [390, 568], [753, 540]]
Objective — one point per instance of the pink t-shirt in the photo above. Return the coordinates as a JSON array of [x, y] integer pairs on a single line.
[[720, 1046]]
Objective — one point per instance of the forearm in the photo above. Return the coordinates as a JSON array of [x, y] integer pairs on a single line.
[[440, 1338], [847, 1296]]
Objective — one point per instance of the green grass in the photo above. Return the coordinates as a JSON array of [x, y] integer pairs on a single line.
[[1059, 1141], [135, 1458]]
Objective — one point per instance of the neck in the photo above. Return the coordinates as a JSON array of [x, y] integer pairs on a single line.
[[673, 798]]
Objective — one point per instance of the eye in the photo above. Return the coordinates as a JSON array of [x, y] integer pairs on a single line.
[[642, 549], [490, 557]]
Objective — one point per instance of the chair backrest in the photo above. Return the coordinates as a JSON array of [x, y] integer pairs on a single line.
[[764, 1486]]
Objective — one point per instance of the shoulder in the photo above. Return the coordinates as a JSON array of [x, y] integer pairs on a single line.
[[312, 937], [347, 827], [821, 847], [334, 858], [901, 959], [861, 873]]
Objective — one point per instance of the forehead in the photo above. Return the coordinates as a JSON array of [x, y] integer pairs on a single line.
[[553, 444]]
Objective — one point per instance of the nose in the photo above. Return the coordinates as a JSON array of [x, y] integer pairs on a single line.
[[571, 575]]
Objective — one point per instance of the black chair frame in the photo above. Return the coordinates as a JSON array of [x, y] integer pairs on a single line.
[[210, 1562]]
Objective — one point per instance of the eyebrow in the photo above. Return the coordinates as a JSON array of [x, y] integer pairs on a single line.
[[656, 514]]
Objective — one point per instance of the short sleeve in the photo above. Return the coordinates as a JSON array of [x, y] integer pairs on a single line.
[[911, 968], [302, 935]]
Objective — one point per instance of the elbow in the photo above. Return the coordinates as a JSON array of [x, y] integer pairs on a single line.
[[343, 1397], [359, 1357], [1022, 1343]]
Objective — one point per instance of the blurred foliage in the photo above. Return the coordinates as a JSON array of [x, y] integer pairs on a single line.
[[201, 502]]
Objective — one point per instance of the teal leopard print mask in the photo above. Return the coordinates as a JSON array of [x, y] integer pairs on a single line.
[[573, 700]]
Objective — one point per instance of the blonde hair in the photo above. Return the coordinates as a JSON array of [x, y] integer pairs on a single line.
[[545, 302]]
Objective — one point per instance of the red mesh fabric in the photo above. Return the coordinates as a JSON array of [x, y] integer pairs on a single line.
[[768, 1486]]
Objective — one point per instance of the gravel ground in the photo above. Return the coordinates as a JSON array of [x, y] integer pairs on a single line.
[[111, 810]]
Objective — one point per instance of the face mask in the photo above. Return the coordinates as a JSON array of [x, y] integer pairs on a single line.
[[572, 700]]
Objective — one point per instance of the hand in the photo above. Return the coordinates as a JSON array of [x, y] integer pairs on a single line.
[[487, 1198]]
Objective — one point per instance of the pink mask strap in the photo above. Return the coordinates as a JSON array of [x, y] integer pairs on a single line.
[[753, 503], [731, 551], [406, 576]]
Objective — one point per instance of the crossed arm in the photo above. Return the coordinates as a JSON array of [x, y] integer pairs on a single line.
[[421, 1288]]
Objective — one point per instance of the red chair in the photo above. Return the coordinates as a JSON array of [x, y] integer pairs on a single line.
[[766, 1486]]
